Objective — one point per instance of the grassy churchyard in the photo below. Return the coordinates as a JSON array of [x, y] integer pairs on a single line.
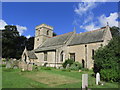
[[48, 78]]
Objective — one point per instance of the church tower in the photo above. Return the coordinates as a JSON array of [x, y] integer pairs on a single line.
[[42, 32]]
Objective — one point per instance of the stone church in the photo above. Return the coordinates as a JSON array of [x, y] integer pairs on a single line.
[[54, 50]]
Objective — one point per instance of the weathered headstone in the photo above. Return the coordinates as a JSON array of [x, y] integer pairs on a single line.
[[84, 80], [61, 67], [25, 66], [15, 67], [68, 65], [30, 67], [97, 78], [8, 65]]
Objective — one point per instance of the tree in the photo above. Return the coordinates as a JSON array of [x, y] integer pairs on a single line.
[[12, 43], [107, 59], [9, 34], [54, 34], [30, 43]]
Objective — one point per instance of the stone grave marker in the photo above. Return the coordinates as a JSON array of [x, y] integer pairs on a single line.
[[8, 65], [84, 81], [25, 66], [68, 65], [30, 67], [97, 78], [15, 67]]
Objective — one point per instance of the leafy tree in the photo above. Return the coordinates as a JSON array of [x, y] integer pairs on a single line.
[[107, 58], [30, 43], [54, 34], [13, 44], [9, 35]]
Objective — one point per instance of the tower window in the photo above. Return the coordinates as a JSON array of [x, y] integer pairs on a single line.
[[38, 39], [48, 32]]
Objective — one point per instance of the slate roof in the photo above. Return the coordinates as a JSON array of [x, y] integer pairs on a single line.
[[31, 55], [55, 42], [82, 38], [88, 37]]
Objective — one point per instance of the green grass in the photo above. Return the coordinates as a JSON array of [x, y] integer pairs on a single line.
[[51, 78]]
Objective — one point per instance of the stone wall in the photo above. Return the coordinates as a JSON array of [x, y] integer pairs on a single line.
[[84, 53]]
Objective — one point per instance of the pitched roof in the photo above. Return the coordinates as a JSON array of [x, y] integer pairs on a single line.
[[31, 55], [88, 37], [82, 38], [55, 42]]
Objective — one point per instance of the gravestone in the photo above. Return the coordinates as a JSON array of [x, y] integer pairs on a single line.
[[8, 65], [97, 78], [61, 67], [25, 66], [30, 67], [84, 81], [15, 67], [68, 65]]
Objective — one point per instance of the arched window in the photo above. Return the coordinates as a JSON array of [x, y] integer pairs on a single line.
[[93, 53], [25, 57], [61, 56], [83, 63]]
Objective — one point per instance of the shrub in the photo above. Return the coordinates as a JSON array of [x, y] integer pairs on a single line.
[[107, 60], [35, 68], [46, 68], [3, 65], [76, 66], [68, 61], [109, 75], [45, 64]]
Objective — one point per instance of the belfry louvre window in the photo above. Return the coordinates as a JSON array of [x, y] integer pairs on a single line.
[[48, 32], [45, 56], [72, 56]]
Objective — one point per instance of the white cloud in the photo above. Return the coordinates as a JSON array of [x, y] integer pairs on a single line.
[[2, 24], [88, 19], [21, 29], [102, 20], [84, 7], [28, 36], [89, 27], [111, 19]]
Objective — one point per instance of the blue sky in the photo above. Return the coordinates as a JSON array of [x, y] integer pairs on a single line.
[[85, 16]]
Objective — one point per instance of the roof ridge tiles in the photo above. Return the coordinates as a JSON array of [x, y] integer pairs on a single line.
[[91, 31], [61, 35]]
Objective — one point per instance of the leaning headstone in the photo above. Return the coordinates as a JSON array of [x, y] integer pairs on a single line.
[[84, 81], [8, 65], [30, 67], [97, 78]]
